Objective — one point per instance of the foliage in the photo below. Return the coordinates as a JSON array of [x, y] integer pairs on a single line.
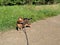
[[22, 2]]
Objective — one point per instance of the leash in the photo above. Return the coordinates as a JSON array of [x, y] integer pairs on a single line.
[[27, 42]]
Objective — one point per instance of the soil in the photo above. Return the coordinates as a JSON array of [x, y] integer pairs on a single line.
[[42, 32]]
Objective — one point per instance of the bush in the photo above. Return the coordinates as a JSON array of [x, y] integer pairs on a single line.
[[22, 2]]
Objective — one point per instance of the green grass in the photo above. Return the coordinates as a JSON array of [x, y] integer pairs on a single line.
[[10, 14]]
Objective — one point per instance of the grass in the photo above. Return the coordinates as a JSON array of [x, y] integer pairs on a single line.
[[10, 14]]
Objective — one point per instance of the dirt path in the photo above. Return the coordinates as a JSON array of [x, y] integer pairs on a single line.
[[43, 32]]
